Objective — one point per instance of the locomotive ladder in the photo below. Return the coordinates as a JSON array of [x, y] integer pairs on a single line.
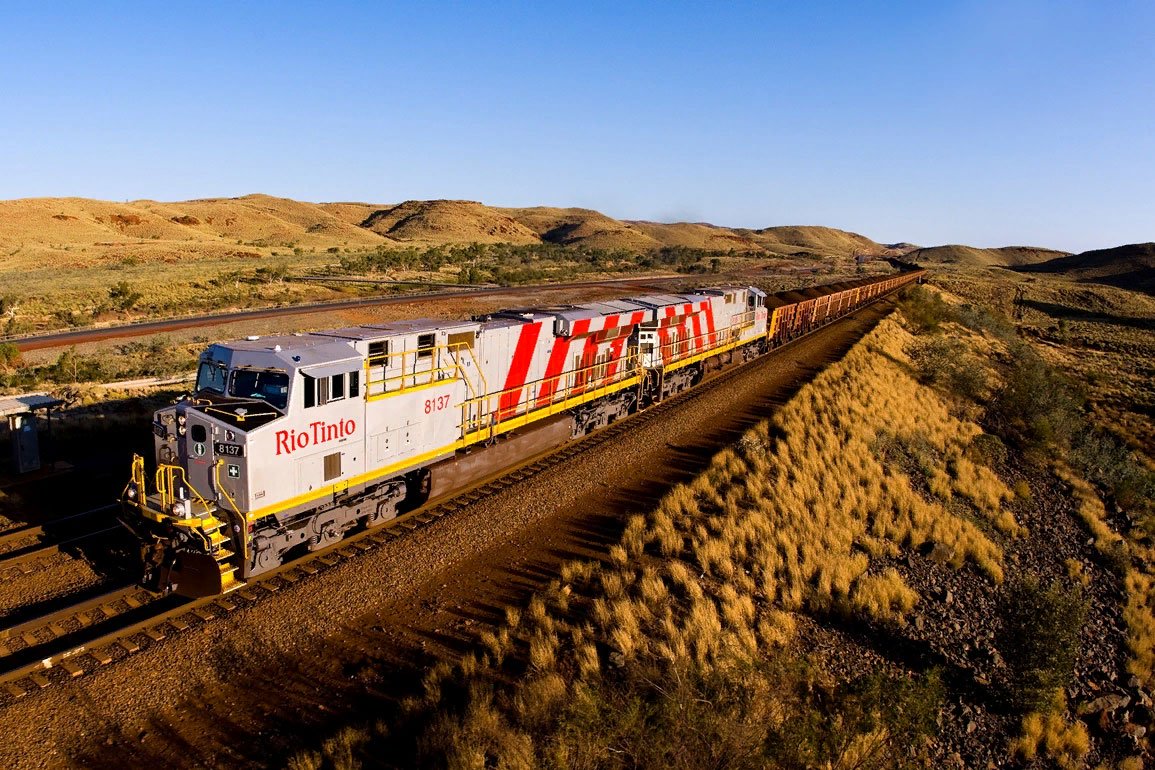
[[169, 479], [222, 555]]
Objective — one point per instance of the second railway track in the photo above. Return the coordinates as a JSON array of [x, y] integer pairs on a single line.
[[25, 546], [62, 645]]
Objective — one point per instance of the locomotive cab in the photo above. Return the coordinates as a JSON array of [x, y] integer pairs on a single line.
[[193, 522]]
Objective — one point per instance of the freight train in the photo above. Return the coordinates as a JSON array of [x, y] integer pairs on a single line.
[[288, 443]]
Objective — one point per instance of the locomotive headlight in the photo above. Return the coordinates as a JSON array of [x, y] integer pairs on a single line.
[[181, 419], [179, 509], [131, 492]]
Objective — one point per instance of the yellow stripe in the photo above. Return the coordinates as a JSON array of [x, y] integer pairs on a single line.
[[700, 356], [516, 422], [411, 388], [388, 470], [469, 439]]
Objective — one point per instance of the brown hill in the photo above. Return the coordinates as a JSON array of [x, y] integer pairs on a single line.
[[815, 240], [443, 221], [1128, 267], [697, 235], [1005, 256], [585, 227], [263, 220], [75, 232]]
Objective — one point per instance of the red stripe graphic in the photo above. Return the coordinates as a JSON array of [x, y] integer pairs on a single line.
[[699, 343], [522, 358], [590, 353], [710, 323], [557, 358], [615, 356], [664, 333]]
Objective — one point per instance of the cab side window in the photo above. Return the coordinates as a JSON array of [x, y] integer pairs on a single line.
[[322, 390], [310, 390]]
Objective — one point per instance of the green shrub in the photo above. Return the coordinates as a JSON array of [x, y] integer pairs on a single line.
[[924, 309], [9, 355], [1039, 640], [946, 363], [1036, 406]]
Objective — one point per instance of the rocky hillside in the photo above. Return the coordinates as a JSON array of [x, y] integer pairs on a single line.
[[1128, 267]]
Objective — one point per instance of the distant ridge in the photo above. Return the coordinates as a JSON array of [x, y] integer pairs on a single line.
[[75, 232], [1128, 267], [1006, 256]]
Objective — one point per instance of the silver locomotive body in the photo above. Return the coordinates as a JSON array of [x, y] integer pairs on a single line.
[[289, 442]]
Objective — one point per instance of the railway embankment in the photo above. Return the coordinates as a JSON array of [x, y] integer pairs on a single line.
[[905, 562]]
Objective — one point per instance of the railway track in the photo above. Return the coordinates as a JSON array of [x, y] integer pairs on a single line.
[[139, 328], [60, 646], [18, 557]]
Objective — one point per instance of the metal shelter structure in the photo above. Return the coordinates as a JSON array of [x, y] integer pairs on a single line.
[[22, 426]]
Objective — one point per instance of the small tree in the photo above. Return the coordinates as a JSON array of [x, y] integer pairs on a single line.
[[9, 355], [123, 296]]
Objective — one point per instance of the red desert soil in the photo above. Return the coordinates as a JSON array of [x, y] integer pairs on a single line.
[[250, 688]]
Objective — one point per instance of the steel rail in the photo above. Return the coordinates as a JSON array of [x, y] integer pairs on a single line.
[[11, 561], [38, 530]]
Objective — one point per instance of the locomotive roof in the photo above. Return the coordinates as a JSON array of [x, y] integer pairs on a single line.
[[612, 306], [661, 300], [395, 328], [283, 351]]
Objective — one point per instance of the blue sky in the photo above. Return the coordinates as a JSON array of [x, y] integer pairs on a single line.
[[989, 123]]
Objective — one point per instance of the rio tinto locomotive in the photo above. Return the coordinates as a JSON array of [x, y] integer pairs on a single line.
[[287, 443]]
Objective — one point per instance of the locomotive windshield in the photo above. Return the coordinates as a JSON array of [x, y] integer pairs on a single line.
[[211, 376], [271, 386]]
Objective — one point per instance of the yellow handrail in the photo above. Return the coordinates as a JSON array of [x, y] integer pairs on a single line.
[[167, 477], [221, 490]]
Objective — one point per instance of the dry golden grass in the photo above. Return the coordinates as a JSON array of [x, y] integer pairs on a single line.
[[1137, 564], [1050, 735], [803, 500]]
